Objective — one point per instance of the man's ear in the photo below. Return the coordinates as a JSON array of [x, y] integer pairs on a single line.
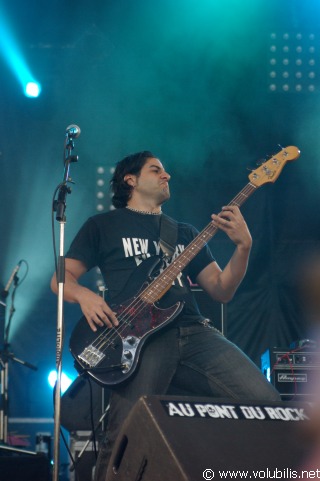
[[130, 180]]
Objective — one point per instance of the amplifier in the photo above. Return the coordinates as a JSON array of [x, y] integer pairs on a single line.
[[291, 371], [83, 453]]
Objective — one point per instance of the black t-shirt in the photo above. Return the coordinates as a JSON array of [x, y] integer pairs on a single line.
[[121, 242]]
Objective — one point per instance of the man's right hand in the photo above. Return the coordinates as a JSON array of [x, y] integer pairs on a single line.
[[96, 310]]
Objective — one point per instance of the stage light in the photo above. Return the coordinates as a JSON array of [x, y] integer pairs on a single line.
[[65, 380], [294, 66], [32, 89], [103, 201], [15, 60]]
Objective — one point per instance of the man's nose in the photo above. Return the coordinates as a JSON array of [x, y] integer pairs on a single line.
[[166, 176]]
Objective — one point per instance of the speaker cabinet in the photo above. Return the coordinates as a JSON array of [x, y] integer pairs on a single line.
[[83, 402], [24, 468], [174, 438]]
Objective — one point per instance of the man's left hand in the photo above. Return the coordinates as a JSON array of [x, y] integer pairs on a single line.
[[231, 221]]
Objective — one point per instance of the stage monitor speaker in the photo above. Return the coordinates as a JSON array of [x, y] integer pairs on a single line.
[[189, 439], [24, 468]]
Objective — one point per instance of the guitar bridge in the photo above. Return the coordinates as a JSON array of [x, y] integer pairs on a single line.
[[91, 356]]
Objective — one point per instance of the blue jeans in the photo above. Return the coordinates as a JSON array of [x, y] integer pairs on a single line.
[[194, 360]]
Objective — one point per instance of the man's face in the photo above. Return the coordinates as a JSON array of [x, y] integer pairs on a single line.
[[153, 182]]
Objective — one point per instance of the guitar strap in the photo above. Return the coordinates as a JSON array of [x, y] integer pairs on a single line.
[[168, 235]]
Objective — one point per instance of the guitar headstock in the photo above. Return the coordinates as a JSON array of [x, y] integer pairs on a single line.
[[270, 170]]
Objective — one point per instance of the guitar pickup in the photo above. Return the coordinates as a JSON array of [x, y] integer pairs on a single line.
[[91, 356]]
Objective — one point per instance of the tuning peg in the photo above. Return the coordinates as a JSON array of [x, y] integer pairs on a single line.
[[268, 156]]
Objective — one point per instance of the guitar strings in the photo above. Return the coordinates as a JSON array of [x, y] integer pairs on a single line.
[[109, 335], [139, 304]]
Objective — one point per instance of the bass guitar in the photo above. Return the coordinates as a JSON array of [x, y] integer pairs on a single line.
[[111, 355]]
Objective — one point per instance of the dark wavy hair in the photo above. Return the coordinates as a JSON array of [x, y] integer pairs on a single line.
[[132, 164]]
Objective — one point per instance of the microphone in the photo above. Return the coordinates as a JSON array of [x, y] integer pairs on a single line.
[[5, 292], [73, 131]]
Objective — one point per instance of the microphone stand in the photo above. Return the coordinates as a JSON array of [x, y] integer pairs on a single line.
[[5, 356], [59, 206]]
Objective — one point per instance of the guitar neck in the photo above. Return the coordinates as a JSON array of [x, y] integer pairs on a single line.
[[163, 282]]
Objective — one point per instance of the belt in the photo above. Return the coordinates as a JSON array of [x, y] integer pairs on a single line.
[[205, 322]]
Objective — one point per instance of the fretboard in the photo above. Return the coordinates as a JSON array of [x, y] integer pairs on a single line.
[[157, 288]]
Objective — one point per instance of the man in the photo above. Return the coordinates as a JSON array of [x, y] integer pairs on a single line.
[[189, 354]]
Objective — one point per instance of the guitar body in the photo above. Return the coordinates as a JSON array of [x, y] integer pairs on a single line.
[[111, 355]]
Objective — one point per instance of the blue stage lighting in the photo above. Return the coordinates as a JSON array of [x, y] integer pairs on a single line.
[[14, 58], [65, 380], [32, 89]]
